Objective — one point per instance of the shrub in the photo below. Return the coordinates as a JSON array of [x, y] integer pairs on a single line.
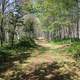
[[25, 43], [74, 49], [77, 54], [4, 54]]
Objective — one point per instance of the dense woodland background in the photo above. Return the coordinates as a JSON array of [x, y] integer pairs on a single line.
[[50, 19], [30, 27]]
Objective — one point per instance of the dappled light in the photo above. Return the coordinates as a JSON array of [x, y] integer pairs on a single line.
[[39, 40]]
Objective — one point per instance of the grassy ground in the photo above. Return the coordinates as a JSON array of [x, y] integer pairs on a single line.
[[72, 47], [49, 61]]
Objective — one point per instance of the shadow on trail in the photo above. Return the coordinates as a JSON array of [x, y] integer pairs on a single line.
[[44, 71], [10, 55], [47, 69], [9, 61]]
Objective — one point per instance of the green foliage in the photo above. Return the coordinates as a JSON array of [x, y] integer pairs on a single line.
[[25, 43], [10, 53], [75, 50], [27, 7], [4, 54], [77, 54], [54, 13], [61, 41]]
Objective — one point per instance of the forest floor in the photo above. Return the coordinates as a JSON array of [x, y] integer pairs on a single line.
[[47, 62]]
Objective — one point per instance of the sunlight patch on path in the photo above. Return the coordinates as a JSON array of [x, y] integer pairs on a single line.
[[48, 56]]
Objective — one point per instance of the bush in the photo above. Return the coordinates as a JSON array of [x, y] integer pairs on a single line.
[[4, 54], [8, 53], [74, 49], [25, 43], [77, 54]]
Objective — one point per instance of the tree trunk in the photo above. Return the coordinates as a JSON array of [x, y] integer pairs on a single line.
[[13, 33], [78, 19], [2, 32]]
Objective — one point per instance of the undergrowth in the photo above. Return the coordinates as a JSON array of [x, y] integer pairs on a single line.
[[73, 48], [8, 53]]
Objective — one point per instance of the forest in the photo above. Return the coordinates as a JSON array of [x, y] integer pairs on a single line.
[[39, 39]]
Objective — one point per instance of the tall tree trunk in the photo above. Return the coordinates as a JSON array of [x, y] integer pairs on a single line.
[[2, 22], [13, 33], [78, 19], [1, 30]]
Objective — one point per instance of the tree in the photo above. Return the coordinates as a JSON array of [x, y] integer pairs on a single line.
[[2, 21], [5, 5], [78, 18], [57, 16], [15, 20]]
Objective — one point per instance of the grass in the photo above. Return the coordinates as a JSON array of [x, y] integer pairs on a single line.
[[64, 41], [73, 48]]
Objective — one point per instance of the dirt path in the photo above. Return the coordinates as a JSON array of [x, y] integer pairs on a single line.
[[47, 54]]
